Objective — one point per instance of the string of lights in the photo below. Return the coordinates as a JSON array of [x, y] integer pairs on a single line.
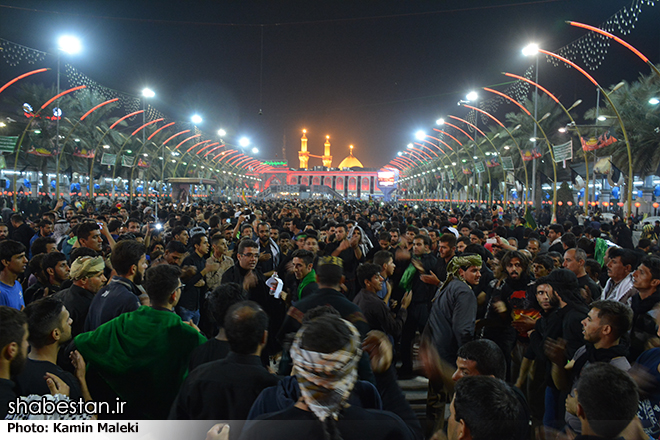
[[15, 54], [127, 102], [591, 49]]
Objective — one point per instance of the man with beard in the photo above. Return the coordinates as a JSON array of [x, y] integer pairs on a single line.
[[603, 328], [45, 230], [4, 231], [13, 352], [246, 274], [510, 302], [395, 239], [451, 322], [88, 278], [644, 329], [121, 294], [269, 252], [533, 246], [49, 326], [563, 335]]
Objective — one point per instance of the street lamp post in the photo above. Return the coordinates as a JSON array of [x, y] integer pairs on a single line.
[[533, 50], [146, 94], [70, 45]]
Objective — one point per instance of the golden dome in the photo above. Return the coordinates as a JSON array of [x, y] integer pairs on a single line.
[[350, 161]]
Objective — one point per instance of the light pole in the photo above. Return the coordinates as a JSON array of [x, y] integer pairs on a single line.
[[146, 94], [70, 45], [472, 97], [533, 50]]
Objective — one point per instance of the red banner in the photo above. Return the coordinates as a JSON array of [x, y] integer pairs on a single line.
[[602, 141], [83, 152], [532, 154]]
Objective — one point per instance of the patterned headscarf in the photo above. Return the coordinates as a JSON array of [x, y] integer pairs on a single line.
[[461, 261], [83, 267], [326, 379]]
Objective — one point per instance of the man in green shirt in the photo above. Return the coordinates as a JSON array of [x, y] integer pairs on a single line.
[[143, 355], [303, 263]]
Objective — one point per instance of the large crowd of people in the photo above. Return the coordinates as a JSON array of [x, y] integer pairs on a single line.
[[295, 319]]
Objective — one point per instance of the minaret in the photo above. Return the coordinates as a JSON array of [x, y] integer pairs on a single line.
[[327, 159], [303, 154]]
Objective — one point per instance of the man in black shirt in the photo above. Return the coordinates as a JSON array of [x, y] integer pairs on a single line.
[[226, 389], [88, 278], [574, 260], [246, 274], [350, 254], [218, 302], [21, 232], [323, 395], [49, 324], [195, 286], [13, 352], [477, 358], [121, 294], [269, 252]]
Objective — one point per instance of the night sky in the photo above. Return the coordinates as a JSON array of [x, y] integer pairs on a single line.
[[367, 73]]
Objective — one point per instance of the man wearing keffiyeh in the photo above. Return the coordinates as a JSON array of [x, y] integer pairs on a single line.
[[325, 354], [326, 379], [451, 322]]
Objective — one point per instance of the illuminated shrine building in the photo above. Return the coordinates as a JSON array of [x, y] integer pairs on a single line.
[[349, 180]]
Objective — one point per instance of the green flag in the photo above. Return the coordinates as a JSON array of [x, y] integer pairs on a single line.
[[530, 220]]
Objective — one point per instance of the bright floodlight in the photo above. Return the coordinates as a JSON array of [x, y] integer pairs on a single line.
[[399, 153], [255, 150], [472, 96], [244, 142], [440, 122], [530, 50], [410, 145], [420, 135], [69, 44], [654, 101], [221, 132], [148, 93], [532, 139], [196, 119]]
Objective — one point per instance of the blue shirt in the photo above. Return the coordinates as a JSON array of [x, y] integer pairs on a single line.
[[12, 296], [119, 296], [382, 293]]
